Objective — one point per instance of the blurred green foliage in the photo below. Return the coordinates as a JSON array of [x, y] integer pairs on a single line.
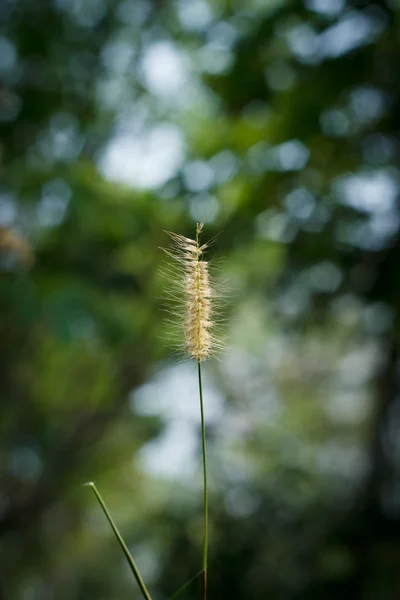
[[276, 122]]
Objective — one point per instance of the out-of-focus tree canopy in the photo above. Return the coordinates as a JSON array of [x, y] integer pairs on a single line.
[[277, 124]]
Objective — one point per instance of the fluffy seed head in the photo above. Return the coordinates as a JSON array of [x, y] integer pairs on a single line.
[[197, 293]]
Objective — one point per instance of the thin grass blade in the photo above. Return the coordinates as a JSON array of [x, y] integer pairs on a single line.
[[121, 542]]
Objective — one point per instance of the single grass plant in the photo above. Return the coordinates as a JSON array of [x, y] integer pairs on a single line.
[[193, 302]]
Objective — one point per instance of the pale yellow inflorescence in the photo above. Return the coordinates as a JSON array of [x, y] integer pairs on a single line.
[[198, 320]]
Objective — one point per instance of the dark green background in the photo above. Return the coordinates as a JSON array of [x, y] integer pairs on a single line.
[[288, 118]]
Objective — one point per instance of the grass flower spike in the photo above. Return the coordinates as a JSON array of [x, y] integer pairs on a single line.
[[198, 294]]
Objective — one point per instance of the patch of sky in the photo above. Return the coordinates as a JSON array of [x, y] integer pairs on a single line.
[[292, 155], [173, 396], [359, 366], [62, 141], [170, 191], [87, 13], [215, 57], [300, 204], [8, 209], [117, 55], [353, 30], [335, 123], [347, 407], [367, 104], [373, 234], [133, 13], [174, 454], [196, 15], [198, 175], [324, 277], [53, 203], [330, 8], [203, 207], [223, 32], [225, 165], [294, 301], [134, 118], [144, 160], [165, 71], [303, 42], [373, 192], [114, 91]]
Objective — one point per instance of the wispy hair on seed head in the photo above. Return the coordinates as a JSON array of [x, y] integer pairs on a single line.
[[192, 296]]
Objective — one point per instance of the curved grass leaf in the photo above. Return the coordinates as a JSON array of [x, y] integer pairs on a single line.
[[121, 542]]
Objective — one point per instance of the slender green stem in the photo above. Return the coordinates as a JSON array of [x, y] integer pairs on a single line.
[[203, 438], [124, 547]]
